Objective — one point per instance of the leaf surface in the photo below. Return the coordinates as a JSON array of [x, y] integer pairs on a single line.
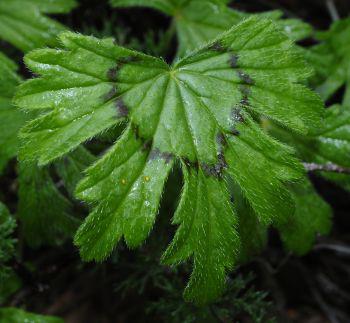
[[331, 60], [24, 25], [312, 217], [12, 119], [200, 111], [42, 224], [328, 144], [199, 21]]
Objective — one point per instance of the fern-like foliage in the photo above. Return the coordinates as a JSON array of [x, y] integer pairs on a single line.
[[199, 21], [7, 242], [23, 22], [200, 112]]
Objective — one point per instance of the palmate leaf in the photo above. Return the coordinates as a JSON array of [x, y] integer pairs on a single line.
[[200, 111], [199, 21], [11, 118], [331, 60], [24, 25], [328, 144]]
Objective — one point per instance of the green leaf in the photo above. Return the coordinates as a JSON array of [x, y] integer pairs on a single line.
[[328, 144], [331, 60], [70, 168], [7, 242], [43, 211], [312, 217], [248, 226], [201, 111], [207, 232], [199, 21], [23, 24], [127, 184], [12, 119], [16, 315]]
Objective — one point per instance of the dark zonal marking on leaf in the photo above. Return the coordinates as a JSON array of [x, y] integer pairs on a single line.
[[245, 90], [136, 131], [112, 74], [245, 77], [217, 169], [221, 140], [190, 164], [127, 59], [110, 94], [122, 109], [156, 154], [236, 115], [218, 47], [235, 132], [233, 61], [147, 145]]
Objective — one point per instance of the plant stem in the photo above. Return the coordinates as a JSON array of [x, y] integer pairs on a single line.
[[332, 10], [329, 167]]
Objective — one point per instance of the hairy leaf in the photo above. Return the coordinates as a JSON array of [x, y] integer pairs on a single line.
[[331, 60], [200, 110], [16, 315], [23, 24], [248, 226], [328, 144], [199, 21], [11, 118], [312, 217], [207, 232]]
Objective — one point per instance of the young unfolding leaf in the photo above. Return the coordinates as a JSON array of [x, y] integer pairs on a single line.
[[11, 118], [331, 60], [199, 21], [16, 315], [23, 24], [312, 217], [7, 242], [201, 110], [328, 144], [43, 211]]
